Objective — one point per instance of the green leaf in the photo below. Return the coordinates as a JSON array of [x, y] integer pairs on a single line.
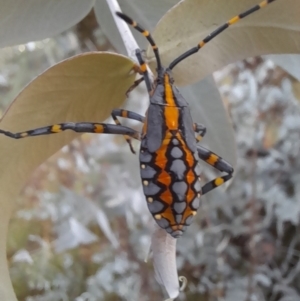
[[83, 88], [207, 108], [30, 20]]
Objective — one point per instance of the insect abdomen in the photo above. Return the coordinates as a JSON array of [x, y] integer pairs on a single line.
[[170, 178]]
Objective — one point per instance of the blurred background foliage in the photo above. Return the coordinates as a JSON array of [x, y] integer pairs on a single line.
[[81, 229]]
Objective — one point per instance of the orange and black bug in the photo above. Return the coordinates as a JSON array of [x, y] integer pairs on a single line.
[[169, 152]]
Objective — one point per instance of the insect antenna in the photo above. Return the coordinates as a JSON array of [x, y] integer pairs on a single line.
[[145, 33], [218, 31]]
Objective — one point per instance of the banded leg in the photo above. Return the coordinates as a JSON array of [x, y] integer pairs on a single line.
[[200, 129], [145, 33], [218, 163], [130, 115], [144, 70], [150, 39], [136, 68], [134, 85], [80, 127]]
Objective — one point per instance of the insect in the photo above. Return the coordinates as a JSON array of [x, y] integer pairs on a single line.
[[169, 152]]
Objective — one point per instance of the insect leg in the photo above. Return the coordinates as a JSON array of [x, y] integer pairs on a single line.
[[145, 33], [200, 129], [218, 163], [144, 70], [80, 127], [148, 36], [134, 85], [130, 115], [215, 183]]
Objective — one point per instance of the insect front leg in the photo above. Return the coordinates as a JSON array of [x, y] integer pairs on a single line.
[[130, 115], [137, 69], [134, 85], [80, 127], [218, 163]]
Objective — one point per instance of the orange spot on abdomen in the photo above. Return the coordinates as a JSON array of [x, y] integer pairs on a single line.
[[190, 195], [168, 214], [190, 177], [189, 155], [167, 197], [164, 178], [161, 159]]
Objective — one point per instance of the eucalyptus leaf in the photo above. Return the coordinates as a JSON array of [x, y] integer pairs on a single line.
[[207, 108], [83, 88], [32, 20]]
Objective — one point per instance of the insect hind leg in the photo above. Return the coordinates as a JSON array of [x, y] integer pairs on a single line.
[[218, 163], [215, 183]]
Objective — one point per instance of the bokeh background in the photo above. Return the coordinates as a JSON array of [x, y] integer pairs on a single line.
[[81, 229]]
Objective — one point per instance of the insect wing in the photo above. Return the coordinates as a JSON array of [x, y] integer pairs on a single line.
[[188, 129], [155, 128]]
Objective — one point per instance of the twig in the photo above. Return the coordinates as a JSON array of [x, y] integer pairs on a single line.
[[128, 39], [126, 35]]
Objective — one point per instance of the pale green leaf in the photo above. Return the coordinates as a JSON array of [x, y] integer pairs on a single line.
[[207, 108], [84, 88]]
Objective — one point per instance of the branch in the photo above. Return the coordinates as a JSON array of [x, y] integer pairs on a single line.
[[128, 39], [127, 36]]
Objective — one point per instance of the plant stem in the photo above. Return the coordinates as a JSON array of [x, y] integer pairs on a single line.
[[128, 39], [127, 36]]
